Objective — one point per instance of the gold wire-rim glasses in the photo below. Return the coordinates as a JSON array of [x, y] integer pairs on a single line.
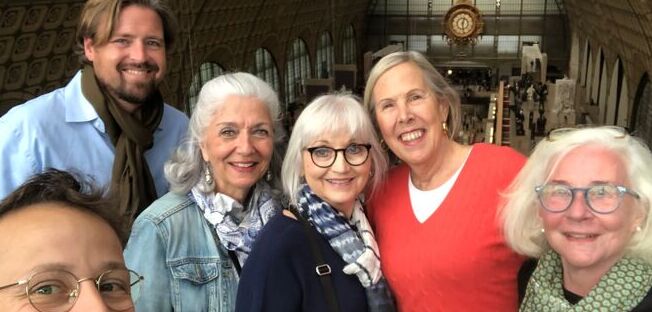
[[60, 278]]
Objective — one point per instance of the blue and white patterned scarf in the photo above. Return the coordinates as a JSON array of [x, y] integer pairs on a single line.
[[354, 241], [237, 226]]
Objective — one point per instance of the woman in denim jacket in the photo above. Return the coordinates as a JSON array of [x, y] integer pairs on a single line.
[[190, 244]]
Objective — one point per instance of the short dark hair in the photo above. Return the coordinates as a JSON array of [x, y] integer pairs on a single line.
[[56, 186]]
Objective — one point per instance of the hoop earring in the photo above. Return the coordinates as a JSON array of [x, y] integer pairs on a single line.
[[444, 127], [208, 178]]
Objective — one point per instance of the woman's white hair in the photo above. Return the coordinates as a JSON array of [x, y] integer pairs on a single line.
[[329, 114], [186, 167], [522, 224]]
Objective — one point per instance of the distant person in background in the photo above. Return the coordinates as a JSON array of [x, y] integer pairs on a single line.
[[581, 208], [110, 121], [192, 242], [436, 224], [61, 248], [333, 157]]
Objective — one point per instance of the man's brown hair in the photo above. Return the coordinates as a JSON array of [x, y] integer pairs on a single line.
[[98, 18]]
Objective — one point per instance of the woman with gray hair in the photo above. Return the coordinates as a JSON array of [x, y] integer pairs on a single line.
[[436, 215], [581, 206], [333, 158], [191, 243]]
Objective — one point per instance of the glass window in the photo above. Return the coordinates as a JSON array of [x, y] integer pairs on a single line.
[[325, 56], [439, 45], [419, 7], [510, 7], [441, 7], [417, 43], [507, 44], [530, 40], [207, 71], [348, 46], [298, 69], [265, 68], [486, 7], [552, 8], [485, 46], [534, 7]]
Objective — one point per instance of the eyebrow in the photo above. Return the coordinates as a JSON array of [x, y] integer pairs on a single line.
[[327, 143], [591, 183], [233, 124], [391, 98], [108, 265]]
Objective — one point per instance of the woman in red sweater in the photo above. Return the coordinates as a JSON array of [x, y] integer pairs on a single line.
[[436, 217]]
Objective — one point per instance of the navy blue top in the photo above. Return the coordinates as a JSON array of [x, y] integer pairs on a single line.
[[279, 274]]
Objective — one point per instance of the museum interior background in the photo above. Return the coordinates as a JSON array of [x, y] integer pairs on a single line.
[[561, 62]]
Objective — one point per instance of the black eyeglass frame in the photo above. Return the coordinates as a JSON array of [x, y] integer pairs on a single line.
[[75, 292], [585, 190], [311, 150]]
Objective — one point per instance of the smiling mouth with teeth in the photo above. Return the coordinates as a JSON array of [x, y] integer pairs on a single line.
[[580, 236], [411, 136], [339, 181], [136, 71], [243, 165]]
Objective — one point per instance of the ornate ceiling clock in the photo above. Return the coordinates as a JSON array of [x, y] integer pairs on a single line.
[[463, 23]]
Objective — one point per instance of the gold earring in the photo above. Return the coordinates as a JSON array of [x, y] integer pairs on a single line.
[[383, 145], [444, 127]]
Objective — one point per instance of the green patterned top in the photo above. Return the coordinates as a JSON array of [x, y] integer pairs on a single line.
[[621, 289]]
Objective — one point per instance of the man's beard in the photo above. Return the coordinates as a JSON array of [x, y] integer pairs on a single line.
[[134, 93]]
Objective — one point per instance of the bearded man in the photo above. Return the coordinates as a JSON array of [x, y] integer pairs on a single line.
[[109, 122]]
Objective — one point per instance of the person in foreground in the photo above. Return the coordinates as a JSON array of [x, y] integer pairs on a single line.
[[333, 156], [436, 218], [581, 206], [61, 249], [110, 121], [191, 243]]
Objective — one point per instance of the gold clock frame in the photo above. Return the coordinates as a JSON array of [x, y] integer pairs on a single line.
[[463, 37]]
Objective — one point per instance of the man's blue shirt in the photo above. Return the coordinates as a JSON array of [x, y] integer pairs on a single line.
[[62, 130]]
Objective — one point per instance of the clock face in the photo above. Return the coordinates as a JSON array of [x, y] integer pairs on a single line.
[[462, 24]]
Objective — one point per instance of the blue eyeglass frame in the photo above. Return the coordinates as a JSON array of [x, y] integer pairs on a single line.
[[585, 190]]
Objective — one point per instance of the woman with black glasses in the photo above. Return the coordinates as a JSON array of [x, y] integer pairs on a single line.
[[321, 255], [581, 207]]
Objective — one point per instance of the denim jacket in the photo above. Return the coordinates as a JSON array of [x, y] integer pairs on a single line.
[[172, 247]]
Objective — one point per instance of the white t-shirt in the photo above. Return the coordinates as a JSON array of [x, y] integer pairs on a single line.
[[425, 203]]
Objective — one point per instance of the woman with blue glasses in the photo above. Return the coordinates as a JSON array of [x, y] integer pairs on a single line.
[[581, 207]]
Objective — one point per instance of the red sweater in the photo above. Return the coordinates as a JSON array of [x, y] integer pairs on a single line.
[[457, 259]]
